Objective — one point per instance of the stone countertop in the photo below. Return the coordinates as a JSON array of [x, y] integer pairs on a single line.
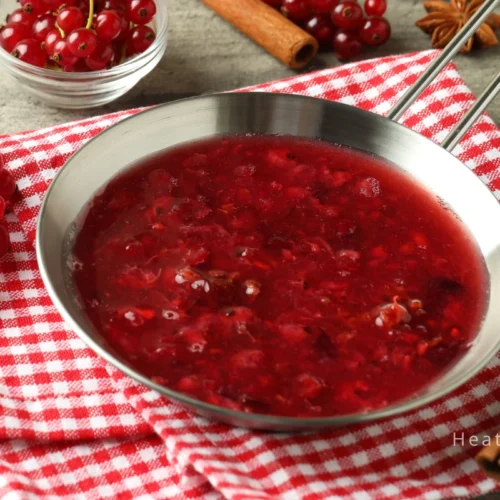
[[205, 54]]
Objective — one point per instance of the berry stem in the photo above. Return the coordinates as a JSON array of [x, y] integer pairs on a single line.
[[60, 31], [91, 14]]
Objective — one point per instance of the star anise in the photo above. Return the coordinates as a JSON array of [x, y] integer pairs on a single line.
[[445, 19]]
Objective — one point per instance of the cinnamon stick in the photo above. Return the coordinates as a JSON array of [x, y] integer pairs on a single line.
[[267, 27], [489, 458]]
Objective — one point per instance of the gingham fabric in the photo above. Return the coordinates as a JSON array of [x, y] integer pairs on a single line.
[[53, 388]]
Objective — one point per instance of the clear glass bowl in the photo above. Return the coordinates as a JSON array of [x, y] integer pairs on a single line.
[[85, 90]]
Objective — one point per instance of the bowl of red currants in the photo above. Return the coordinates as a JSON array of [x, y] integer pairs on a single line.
[[78, 54]]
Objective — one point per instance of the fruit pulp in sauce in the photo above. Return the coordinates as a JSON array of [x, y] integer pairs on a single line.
[[279, 275]]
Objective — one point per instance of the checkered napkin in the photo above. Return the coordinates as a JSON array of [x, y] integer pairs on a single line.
[[78, 428]]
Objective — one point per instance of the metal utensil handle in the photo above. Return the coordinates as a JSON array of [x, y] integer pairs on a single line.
[[472, 114], [443, 59]]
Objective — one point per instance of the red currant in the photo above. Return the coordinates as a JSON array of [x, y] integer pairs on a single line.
[[321, 28], [124, 30], [375, 31], [52, 37], [30, 51], [82, 42], [347, 45], [273, 3], [56, 4], [102, 56], [12, 34], [296, 10], [4, 240], [140, 11], [7, 184], [70, 19], [62, 55], [117, 5], [22, 16], [43, 25], [323, 6], [108, 25], [37, 6], [348, 15], [3, 207], [375, 7], [139, 39]]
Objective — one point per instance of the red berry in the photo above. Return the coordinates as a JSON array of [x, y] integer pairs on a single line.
[[323, 6], [108, 25], [82, 42], [140, 39], [140, 11], [102, 56], [22, 16], [118, 5], [43, 25], [321, 28], [4, 240], [56, 4], [348, 15], [375, 31], [30, 51], [375, 7], [124, 30], [62, 55], [3, 207], [273, 3], [346, 45], [70, 19], [296, 10], [50, 41], [37, 6], [7, 184], [12, 34]]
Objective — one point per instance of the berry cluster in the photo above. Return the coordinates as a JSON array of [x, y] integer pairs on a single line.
[[7, 190], [78, 35], [339, 24]]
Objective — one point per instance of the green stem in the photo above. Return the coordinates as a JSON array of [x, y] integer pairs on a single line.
[[91, 14]]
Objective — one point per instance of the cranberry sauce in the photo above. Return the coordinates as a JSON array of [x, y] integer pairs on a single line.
[[279, 276]]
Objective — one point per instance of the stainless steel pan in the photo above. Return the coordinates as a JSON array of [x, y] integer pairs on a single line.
[[156, 129]]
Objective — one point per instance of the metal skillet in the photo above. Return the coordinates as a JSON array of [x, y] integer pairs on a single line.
[[91, 168]]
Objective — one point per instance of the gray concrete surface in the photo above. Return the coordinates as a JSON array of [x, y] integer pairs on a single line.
[[205, 54]]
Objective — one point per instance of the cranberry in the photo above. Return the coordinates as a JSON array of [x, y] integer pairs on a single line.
[[82, 42], [102, 57], [347, 45], [12, 34], [108, 25], [375, 7], [348, 15], [323, 6], [22, 16], [375, 31], [62, 54], [49, 43], [296, 10], [43, 25], [4, 240], [321, 28], [140, 39], [30, 51], [140, 11], [70, 18]]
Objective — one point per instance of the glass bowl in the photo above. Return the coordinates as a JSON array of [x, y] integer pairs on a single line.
[[91, 89]]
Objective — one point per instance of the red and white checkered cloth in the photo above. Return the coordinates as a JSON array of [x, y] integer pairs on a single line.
[[78, 428]]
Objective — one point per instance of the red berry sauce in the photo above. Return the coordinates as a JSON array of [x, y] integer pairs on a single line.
[[279, 276]]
